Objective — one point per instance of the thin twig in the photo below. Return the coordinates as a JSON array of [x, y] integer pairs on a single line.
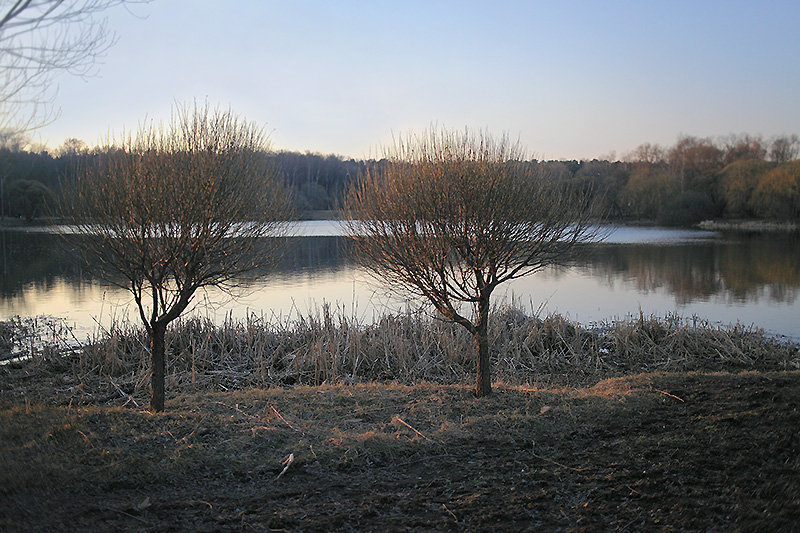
[[203, 502], [186, 438], [406, 424], [122, 392], [665, 393], [424, 458], [451, 513], [140, 519], [284, 420], [236, 408], [288, 462]]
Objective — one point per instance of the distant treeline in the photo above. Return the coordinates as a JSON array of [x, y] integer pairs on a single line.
[[738, 176]]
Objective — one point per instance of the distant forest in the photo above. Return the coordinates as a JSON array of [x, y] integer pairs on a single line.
[[739, 176]]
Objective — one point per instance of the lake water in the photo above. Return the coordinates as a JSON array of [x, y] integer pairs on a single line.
[[753, 279]]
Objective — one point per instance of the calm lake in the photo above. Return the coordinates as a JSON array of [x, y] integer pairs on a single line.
[[725, 278]]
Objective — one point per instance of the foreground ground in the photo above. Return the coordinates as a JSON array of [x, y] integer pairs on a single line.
[[650, 452]]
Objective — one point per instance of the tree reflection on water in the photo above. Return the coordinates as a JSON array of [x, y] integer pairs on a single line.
[[742, 269], [736, 269]]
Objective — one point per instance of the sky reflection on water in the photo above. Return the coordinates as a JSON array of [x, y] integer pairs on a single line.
[[751, 279]]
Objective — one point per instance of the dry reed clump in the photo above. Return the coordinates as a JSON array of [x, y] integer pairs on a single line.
[[43, 335], [329, 347], [555, 350]]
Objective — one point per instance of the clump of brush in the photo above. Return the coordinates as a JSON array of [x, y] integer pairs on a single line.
[[328, 346]]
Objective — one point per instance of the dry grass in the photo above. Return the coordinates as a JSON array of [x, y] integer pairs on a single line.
[[655, 452], [378, 432], [329, 347]]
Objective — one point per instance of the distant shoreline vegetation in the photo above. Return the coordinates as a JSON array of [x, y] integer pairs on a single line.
[[730, 180], [723, 225], [750, 226]]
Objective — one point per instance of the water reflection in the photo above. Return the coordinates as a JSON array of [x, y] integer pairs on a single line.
[[740, 270], [43, 273], [40, 261]]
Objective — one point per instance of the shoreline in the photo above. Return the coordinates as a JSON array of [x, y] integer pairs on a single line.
[[328, 347], [739, 225], [264, 427], [750, 226]]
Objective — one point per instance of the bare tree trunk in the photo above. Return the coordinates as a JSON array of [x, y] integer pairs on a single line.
[[483, 386], [157, 349]]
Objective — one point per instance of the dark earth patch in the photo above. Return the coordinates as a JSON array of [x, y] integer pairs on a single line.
[[664, 452]]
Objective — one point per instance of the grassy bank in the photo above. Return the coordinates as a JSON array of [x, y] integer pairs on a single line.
[[330, 347], [327, 424], [658, 452]]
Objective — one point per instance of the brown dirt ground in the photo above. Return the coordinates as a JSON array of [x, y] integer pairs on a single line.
[[658, 452]]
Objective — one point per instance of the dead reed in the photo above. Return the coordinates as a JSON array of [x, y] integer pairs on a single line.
[[328, 347]]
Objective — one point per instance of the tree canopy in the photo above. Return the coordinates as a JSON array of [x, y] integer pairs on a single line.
[[176, 208], [452, 215]]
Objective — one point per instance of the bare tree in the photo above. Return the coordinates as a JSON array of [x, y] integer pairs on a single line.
[[176, 208], [692, 158], [72, 147], [784, 148], [38, 40], [451, 216], [742, 147], [648, 154]]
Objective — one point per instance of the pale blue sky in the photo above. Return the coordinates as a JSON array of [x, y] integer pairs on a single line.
[[571, 79]]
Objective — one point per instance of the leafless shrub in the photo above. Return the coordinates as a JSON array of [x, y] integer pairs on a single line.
[[176, 208], [450, 216]]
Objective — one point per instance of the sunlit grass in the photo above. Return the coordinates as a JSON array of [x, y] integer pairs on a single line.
[[330, 347]]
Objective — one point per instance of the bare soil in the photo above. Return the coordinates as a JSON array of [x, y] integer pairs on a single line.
[[652, 452]]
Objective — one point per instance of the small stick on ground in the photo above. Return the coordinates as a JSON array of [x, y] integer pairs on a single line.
[[236, 408], [665, 393], [123, 393], [451, 513], [424, 458], [120, 511], [201, 502], [288, 462], [186, 438], [406, 424], [284, 420]]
